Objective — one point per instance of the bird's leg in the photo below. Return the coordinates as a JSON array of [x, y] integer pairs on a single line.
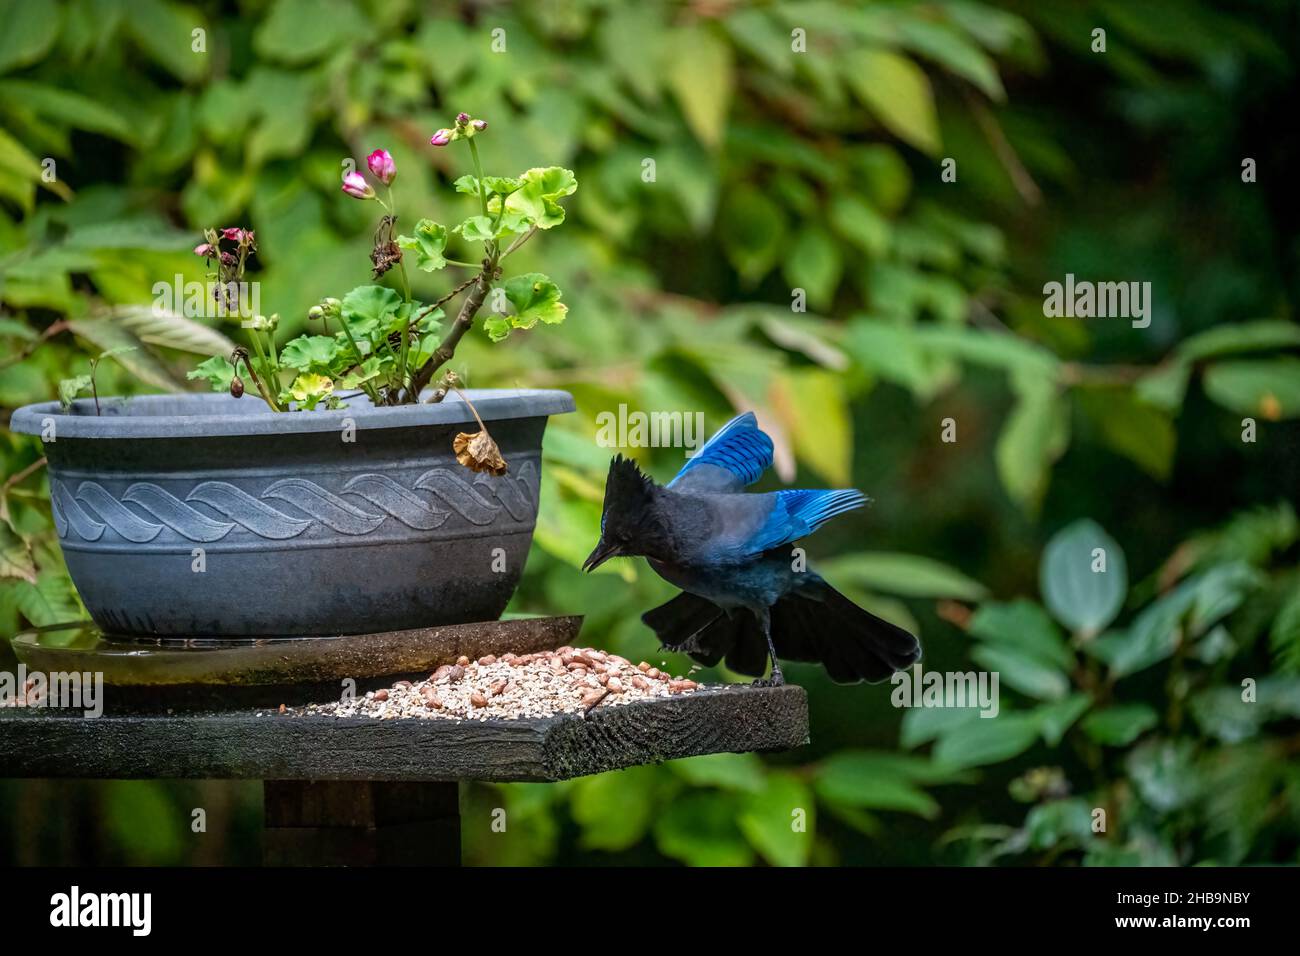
[[777, 678]]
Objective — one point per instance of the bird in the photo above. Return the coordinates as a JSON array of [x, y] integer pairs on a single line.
[[747, 594]]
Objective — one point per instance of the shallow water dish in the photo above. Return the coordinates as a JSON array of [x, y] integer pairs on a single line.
[[205, 515]]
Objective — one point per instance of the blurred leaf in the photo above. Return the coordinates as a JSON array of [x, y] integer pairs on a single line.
[[297, 31], [752, 231], [986, 740], [908, 574], [615, 809], [1237, 337], [27, 31], [769, 816], [700, 829], [897, 91], [1035, 435], [1083, 577], [16, 559], [1058, 821], [1023, 672], [814, 263], [143, 823], [1164, 772], [1024, 624], [700, 76], [878, 782], [1056, 718], [1135, 429], [810, 402], [1120, 724], [1269, 388], [165, 31], [742, 772]]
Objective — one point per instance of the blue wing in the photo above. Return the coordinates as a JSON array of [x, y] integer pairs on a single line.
[[798, 513], [735, 457]]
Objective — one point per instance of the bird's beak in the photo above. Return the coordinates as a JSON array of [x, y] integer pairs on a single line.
[[598, 557]]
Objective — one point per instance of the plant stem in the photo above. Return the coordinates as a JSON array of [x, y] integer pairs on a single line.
[[447, 347]]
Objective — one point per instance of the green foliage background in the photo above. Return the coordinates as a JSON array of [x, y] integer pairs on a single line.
[[774, 170]]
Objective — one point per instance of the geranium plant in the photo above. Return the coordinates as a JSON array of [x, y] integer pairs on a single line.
[[378, 339]]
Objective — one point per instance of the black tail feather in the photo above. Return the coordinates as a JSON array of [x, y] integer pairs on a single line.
[[814, 625]]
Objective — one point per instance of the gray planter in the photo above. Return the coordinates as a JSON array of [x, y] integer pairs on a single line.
[[298, 530]]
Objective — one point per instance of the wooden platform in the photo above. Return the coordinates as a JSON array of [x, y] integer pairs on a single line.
[[242, 745]]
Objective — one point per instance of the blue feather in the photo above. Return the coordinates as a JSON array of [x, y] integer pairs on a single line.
[[740, 449], [799, 512]]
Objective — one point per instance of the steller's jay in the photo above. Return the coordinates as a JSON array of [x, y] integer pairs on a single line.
[[731, 554]]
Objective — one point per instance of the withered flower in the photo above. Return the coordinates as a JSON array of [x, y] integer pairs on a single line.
[[479, 452]]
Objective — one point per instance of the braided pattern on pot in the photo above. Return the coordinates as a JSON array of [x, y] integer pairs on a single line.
[[364, 503]]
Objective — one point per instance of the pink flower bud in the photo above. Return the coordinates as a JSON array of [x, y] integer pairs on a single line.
[[205, 249], [462, 118], [440, 138], [234, 234], [479, 125], [355, 185], [382, 166]]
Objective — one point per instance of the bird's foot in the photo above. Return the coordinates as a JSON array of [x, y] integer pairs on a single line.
[[776, 680]]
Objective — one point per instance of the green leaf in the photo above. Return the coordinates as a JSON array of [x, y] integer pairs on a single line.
[[924, 724], [1269, 388], [700, 76], [752, 230], [1025, 625], [1131, 426], [898, 92], [217, 371], [482, 228], [534, 297], [1023, 671], [700, 829], [368, 308], [814, 263], [165, 32], [1057, 717], [1059, 821], [27, 31], [861, 224], [1035, 435], [170, 330], [538, 197], [310, 353], [986, 740], [367, 370], [873, 782], [70, 108], [779, 819], [615, 809], [1237, 337], [1120, 724], [910, 575], [429, 242], [70, 388], [1083, 577], [742, 772], [308, 389], [810, 401], [299, 31]]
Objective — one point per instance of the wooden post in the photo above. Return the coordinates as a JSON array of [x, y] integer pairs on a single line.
[[360, 823]]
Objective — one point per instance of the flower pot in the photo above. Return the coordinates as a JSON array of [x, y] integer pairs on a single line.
[[205, 515]]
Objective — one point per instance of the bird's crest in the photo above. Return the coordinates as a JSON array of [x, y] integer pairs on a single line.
[[627, 489]]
